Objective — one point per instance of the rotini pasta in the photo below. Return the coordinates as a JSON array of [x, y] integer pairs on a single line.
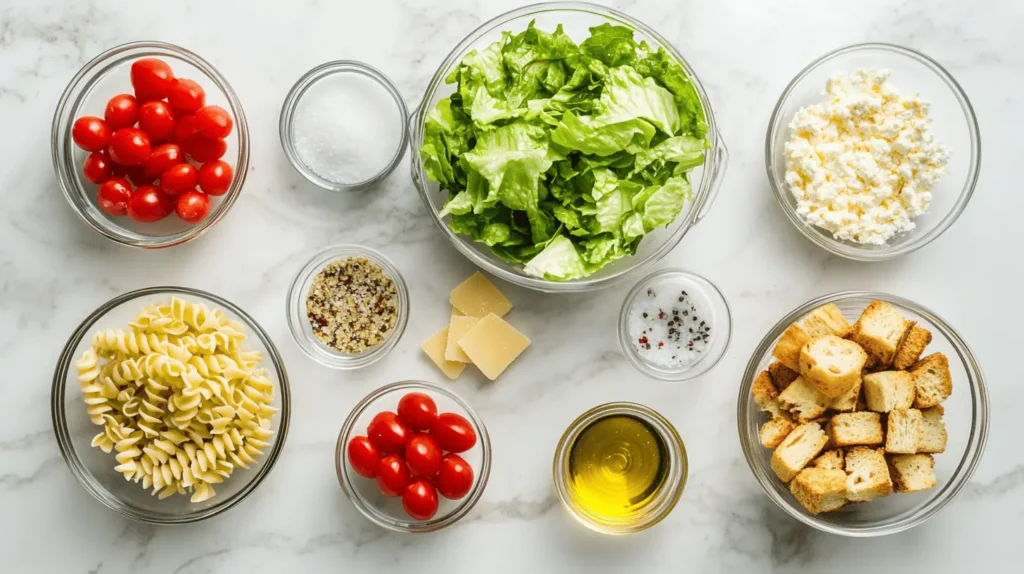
[[181, 401]]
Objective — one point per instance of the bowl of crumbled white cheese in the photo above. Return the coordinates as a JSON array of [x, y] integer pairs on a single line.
[[873, 151]]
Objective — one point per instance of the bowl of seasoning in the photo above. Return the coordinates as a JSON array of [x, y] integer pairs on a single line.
[[674, 325], [348, 307], [620, 468]]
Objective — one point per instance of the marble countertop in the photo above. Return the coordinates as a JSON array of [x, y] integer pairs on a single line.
[[54, 271]]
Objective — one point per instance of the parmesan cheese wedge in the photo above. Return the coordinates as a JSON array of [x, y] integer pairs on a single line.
[[492, 345], [434, 348], [476, 297], [458, 326]]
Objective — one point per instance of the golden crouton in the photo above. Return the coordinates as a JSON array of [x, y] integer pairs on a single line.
[[912, 472], [804, 400], [880, 330], [903, 431], [933, 431], [820, 490], [781, 375], [888, 390], [833, 364], [912, 347], [830, 460], [775, 431], [867, 474], [787, 350], [932, 380], [798, 449]]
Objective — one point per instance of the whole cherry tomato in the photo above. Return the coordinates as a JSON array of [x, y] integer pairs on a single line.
[[422, 455], [387, 433], [184, 127], [214, 122], [420, 499], [91, 133], [148, 204], [156, 119], [455, 477], [418, 411], [97, 167], [152, 79], [215, 179], [204, 149], [122, 111], [453, 432], [138, 176], [363, 456], [162, 158], [113, 194], [192, 206], [129, 146], [179, 178], [186, 95], [392, 475]]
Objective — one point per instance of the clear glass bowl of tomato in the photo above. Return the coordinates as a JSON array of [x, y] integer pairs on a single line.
[[366, 494], [89, 93]]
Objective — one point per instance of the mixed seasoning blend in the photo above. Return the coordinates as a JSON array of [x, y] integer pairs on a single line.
[[352, 305], [668, 326]]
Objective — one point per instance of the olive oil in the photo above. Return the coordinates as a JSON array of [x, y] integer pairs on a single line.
[[616, 467]]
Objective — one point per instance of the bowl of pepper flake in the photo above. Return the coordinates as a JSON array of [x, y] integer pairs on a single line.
[[348, 307]]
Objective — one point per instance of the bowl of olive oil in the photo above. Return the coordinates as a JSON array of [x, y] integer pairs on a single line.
[[620, 468]]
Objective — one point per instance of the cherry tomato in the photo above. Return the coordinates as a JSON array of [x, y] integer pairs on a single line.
[[122, 111], [420, 499], [387, 433], [129, 146], [148, 204], [97, 167], [204, 149], [215, 179], [422, 455], [455, 477], [137, 175], [363, 456], [156, 119], [214, 122], [418, 411], [186, 95], [453, 432], [162, 158], [179, 178], [91, 133], [151, 78], [392, 475], [192, 206], [113, 195]]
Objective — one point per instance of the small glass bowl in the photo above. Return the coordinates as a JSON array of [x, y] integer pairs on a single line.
[[386, 511], [298, 320], [94, 468], [966, 418], [302, 87], [954, 124], [102, 78], [709, 298], [667, 496]]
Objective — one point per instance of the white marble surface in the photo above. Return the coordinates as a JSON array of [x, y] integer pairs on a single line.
[[54, 271]]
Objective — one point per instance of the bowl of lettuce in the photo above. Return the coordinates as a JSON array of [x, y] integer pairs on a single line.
[[565, 147]]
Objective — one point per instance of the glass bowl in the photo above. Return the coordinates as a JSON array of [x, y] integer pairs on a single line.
[[94, 468], [664, 500], [954, 124], [386, 511], [966, 418], [107, 75], [298, 320], [576, 18]]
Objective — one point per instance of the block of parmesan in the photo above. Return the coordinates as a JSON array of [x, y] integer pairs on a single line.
[[477, 297], [492, 345], [458, 326], [434, 348]]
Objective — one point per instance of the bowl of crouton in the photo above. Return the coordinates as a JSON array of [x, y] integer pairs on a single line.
[[862, 414]]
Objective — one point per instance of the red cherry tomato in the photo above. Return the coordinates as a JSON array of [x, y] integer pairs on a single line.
[[122, 111], [186, 95], [420, 499], [97, 167], [162, 158], [91, 133], [387, 433], [214, 122], [179, 178], [455, 477], [192, 206], [129, 146], [203, 149], [392, 475], [148, 204], [151, 78], [113, 194], [453, 432], [184, 127], [418, 411], [156, 119], [138, 176], [215, 179], [363, 456], [422, 455]]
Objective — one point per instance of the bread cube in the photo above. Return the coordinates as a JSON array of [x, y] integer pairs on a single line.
[[833, 364], [820, 490], [766, 395], [912, 472], [932, 381], [852, 429], [775, 431], [781, 375], [847, 402], [798, 449], [933, 431], [787, 350], [912, 347], [867, 474], [903, 431], [880, 330], [825, 320], [830, 460], [888, 390], [803, 400]]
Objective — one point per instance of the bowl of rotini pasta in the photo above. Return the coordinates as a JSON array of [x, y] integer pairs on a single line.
[[170, 404]]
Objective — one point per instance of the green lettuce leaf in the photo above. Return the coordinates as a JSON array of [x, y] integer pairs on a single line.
[[559, 261]]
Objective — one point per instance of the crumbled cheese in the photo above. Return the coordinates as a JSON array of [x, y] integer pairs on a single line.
[[862, 164]]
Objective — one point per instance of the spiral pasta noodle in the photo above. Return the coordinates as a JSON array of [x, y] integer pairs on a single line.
[[181, 401]]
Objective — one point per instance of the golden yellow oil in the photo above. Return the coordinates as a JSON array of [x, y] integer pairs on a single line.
[[616, 467]]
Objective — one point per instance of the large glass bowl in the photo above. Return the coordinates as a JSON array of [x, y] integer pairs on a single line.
[[94, 468], [576, 18], [966, 418]]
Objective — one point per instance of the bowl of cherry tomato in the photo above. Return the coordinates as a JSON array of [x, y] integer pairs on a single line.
[[413, 457], [150, 144]]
